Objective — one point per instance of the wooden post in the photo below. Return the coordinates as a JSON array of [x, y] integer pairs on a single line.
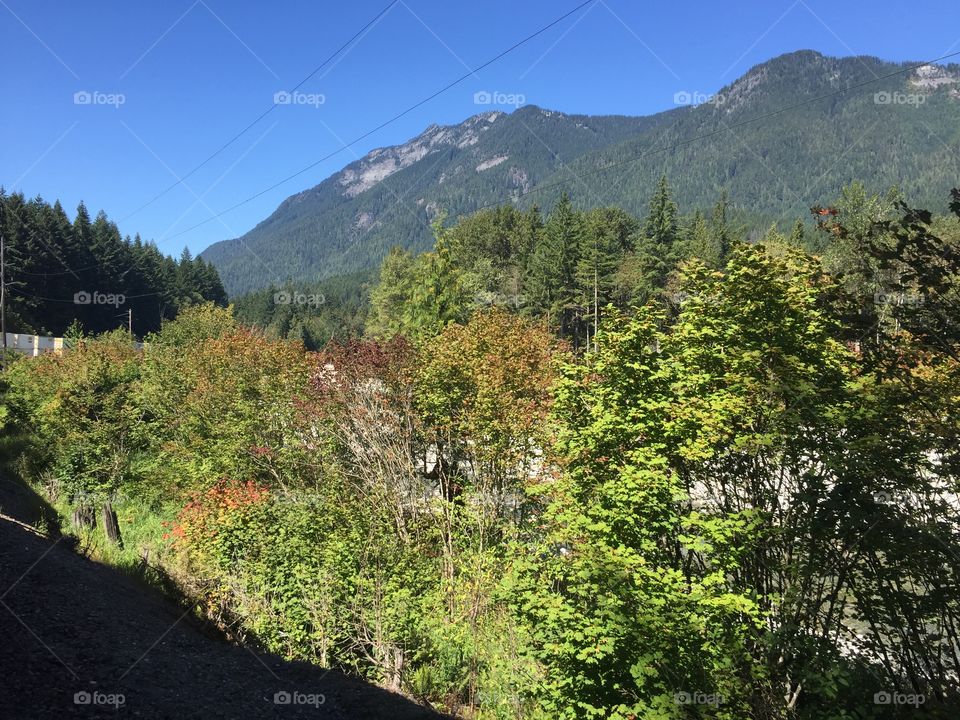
[[84, 516], [110, 526]]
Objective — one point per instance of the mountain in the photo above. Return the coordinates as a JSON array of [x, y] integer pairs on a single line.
[[351, 219], [894, 131]]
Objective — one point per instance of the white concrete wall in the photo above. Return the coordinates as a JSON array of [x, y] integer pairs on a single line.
[[34, 345]]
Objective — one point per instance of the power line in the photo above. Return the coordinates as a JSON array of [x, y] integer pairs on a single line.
[[673, 146], [392, 120], [57, 274], [262, 115], [74, 302], [726, 128]]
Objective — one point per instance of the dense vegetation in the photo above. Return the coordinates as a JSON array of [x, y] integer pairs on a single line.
[[332, 230], [565, 269], [585, 466], [58, 272], [313, 313], [776, 168]]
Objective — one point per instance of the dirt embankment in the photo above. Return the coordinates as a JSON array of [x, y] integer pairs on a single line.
[[79, 639]]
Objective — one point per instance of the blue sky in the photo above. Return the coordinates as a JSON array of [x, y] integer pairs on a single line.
[[193, 73]]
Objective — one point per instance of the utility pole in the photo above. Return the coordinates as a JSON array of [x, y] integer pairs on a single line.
[[129, 316], [3, 296]]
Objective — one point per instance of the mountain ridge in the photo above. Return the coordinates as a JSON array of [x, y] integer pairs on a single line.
[[389, 197]]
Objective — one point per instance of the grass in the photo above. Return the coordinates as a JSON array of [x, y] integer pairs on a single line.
[[141, 533]]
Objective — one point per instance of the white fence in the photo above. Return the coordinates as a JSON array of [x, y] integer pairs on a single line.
[[34, 345]]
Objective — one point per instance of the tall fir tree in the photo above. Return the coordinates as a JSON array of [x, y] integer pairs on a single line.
[[702, 243], [798, 233], [658, 251], [551, 279], [607, 234], [720, 226], [391, 293], [53, 263]]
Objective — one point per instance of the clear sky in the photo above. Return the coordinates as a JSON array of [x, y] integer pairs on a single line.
[[193, 73]]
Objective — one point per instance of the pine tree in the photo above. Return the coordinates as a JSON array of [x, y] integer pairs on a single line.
[[661, 226], [798, 233], [601, 250], [50, 260], [551, 279], [701, 243], [720, 227], [437, 296], [658, 251]]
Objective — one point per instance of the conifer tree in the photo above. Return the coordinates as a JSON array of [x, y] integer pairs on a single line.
[[798, 233], [551, 280], [50, 261], [661, 226], [390, 294], [720, 227], [701, 243], [657, 253], [607, 233]]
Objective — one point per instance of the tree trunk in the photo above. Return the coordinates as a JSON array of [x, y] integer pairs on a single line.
[[84, 516], [110, 526]]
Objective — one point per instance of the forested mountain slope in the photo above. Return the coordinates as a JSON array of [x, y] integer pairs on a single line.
[[389, 197], [893, 131]]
